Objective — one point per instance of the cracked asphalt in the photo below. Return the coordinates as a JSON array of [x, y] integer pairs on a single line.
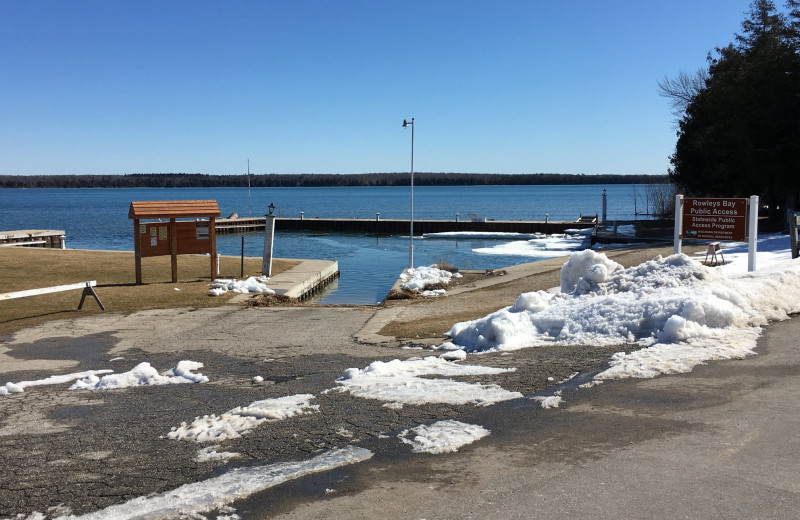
[[90, 449], [82, 451]]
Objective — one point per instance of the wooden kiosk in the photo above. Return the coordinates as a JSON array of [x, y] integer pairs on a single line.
[[174, 238]]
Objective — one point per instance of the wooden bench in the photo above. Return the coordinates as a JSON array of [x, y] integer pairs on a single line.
[[713, 249], [88, 290]]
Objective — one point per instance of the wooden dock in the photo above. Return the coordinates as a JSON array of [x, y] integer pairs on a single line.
[[395, 226], [33, 238], [239, 225]]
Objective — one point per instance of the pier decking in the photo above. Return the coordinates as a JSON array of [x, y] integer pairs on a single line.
[[33, 237], [392, 226]]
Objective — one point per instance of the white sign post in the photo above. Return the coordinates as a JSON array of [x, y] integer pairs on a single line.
[[752, 230], [678, 224], [794, 224]]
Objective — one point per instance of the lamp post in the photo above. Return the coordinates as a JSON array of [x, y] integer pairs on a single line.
[[406, 124], [269, 238]]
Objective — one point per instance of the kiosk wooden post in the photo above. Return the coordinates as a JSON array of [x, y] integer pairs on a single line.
[[175, 237], [137, 251], [173, 249], [212, 239]]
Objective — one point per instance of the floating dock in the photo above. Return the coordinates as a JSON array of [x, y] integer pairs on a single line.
[[33, 238], [394, 226]]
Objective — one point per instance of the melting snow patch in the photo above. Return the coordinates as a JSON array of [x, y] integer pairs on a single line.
[[199, 497], [500, 235], [454, 355], [442, 436], [403, 382], [16, 388], [240, 420], [143, 374], [210, 453], [549, 401], [542, 246]]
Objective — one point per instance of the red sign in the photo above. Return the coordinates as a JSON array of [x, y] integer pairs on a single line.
[[715, 219]]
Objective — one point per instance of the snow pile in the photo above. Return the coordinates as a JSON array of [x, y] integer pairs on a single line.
[[418, 278], [543, 246], [253, 285], [240, 420], [442, 436], [683, 313], [143, 374], [403, 382], [584, 270], [16, 388]]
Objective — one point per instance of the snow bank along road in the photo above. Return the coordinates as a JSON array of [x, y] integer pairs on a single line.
[[229, 412]]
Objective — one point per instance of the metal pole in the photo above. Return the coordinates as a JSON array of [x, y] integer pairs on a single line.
[[241, 270], [411, 244], [604, 208], [678, 224], [269, 237], [249, 203]]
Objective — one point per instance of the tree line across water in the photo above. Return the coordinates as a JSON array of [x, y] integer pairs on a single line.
[[198, 180]]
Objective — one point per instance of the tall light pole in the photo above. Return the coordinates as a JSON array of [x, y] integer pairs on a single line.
[[406, 124]]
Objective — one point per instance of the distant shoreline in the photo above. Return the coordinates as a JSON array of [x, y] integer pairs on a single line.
[[199, 180]]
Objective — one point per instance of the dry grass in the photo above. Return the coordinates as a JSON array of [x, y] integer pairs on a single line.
[[401, 294], [274, 300], [33, 268]]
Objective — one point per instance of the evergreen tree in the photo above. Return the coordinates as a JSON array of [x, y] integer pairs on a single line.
[[740, 132]]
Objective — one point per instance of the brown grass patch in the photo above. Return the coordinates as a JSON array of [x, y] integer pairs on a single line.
[[33, 268], [431, 327], [273, 300], [401, 294], [445, 265]]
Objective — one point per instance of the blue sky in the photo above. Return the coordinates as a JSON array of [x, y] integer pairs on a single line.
[[319, 86]]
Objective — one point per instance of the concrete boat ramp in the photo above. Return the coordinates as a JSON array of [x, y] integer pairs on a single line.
[[301, 281]]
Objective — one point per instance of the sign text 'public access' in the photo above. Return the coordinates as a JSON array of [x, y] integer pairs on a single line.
[[715, 219]]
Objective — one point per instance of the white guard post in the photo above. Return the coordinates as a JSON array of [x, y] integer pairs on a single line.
[[678, 224], [269, 235], [752, 232]]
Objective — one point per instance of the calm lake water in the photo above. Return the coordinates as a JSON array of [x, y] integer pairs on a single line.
[[369, 264]]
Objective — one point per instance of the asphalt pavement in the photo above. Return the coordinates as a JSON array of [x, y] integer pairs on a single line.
[[719, 442]]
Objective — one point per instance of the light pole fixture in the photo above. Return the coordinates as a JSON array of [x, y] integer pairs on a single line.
[[269, 239], [406, 124]]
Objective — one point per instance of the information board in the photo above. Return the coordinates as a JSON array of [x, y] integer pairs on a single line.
[[715, 219], [155, 238]]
